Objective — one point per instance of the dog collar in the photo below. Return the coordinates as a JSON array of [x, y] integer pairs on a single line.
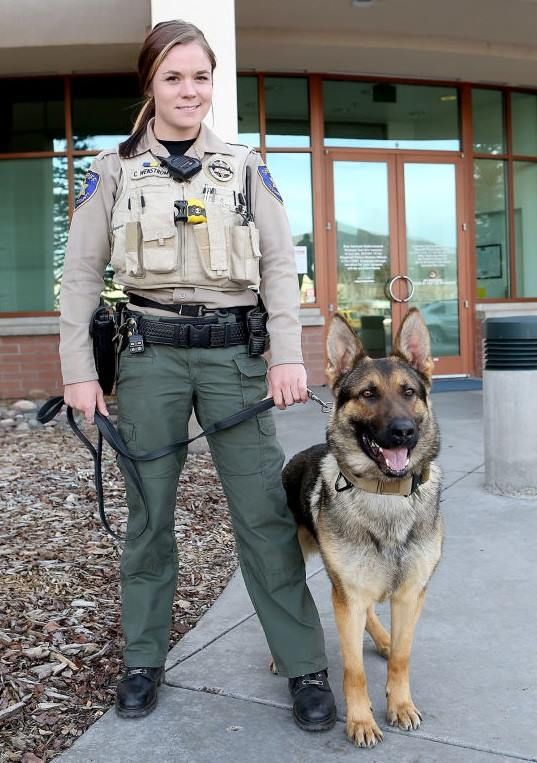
[[405, 487]]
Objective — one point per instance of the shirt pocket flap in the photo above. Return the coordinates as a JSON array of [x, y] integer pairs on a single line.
[[158, 226]]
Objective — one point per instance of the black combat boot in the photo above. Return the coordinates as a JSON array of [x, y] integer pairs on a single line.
[[314, 707], [136, 694]]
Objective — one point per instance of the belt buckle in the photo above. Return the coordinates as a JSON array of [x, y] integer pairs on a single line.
[[199, 336]]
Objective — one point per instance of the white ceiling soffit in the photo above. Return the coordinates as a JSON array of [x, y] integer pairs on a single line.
[[64, 36], [481, 40], [470, 40]]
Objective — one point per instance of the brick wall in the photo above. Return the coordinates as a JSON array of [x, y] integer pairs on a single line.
[[29, 366]]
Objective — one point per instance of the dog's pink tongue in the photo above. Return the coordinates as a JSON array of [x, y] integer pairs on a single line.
[[396, 458]]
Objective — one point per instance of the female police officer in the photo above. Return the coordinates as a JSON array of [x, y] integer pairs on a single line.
[[183, 243]]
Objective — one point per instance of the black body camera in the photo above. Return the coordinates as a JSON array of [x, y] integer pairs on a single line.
[[181, 168]]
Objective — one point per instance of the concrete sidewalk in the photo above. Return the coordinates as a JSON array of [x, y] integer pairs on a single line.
[[474, 668]]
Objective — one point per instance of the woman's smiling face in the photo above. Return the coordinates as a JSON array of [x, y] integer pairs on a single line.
[[182, 88]]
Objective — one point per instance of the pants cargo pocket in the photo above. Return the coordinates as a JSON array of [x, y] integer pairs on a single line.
[[254, 388], [253, 373]]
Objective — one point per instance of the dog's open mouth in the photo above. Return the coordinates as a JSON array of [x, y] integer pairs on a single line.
[[392, 461]]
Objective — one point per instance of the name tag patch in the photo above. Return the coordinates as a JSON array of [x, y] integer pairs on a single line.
[[150, 172], [268, 182], [89, 186]]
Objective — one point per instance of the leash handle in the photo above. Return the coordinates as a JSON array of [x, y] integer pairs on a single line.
[[51, 409]]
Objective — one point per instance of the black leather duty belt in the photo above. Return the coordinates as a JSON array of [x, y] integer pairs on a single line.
[[193, 333]]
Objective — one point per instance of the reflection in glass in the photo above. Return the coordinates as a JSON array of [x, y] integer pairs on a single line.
[[431, 246], [104, 110], [287, 112], [492, 243], [248, 111], [292, 176], [33, 232], [33, 117], [525, 186], [524, 111], [363, 251], [384, 115], [488, 122], [81, 165]]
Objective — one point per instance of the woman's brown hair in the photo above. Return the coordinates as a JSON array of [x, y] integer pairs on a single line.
[[156, 47]]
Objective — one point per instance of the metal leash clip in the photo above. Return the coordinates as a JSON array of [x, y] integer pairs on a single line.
[[326, 407]]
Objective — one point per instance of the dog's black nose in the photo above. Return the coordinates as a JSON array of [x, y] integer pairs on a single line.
[[402, 431]]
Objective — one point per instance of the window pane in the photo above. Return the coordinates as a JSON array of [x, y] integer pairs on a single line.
[[33, 117], [361, 199], [104, 110], [287, 111], [248, 106], [33, 232], [491, 236], [487, 116], [292, 176], [525, 182], [382, 115], [524, 108]]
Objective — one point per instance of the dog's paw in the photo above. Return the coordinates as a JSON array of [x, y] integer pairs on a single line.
[[405, 715], [364, 732], [273, 667]]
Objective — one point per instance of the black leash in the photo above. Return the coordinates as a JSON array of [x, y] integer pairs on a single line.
[[108, 432]]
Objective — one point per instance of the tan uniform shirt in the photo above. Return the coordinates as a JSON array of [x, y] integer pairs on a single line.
[[89, 247]]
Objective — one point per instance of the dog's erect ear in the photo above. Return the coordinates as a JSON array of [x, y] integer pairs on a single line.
[[413, 343], [343, 348]]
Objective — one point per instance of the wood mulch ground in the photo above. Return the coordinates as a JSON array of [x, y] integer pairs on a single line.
[[60, 638]]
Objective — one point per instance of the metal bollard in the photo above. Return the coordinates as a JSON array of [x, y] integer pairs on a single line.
[[510, 405]]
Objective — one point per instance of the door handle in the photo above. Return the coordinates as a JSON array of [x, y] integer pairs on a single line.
[[392, 281]]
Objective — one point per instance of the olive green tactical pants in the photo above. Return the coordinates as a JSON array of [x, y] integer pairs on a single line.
[[156, 391]]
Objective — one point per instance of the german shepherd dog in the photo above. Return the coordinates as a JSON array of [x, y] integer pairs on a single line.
[[368, 501]]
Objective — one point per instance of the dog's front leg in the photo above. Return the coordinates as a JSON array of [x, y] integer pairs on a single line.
[[350, 620], [406, 604]]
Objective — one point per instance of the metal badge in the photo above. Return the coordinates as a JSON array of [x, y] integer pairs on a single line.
[[220, 170]]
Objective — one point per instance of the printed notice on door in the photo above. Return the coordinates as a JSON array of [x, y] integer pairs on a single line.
[[363, 256], [431, 255]]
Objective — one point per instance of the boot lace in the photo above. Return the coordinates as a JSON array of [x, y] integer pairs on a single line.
[[313, 679]]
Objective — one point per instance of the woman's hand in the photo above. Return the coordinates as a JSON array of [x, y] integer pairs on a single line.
[[287, 384], [85, 397]]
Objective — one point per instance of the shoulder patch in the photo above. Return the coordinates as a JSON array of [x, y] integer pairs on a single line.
[[268, 182], [89, 186]]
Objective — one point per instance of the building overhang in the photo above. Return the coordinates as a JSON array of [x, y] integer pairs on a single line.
[[486, 41]]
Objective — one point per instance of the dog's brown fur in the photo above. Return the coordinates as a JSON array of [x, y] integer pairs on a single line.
[[374, 546]]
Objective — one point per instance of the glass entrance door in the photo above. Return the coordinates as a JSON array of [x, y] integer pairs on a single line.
[[398, 240]]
